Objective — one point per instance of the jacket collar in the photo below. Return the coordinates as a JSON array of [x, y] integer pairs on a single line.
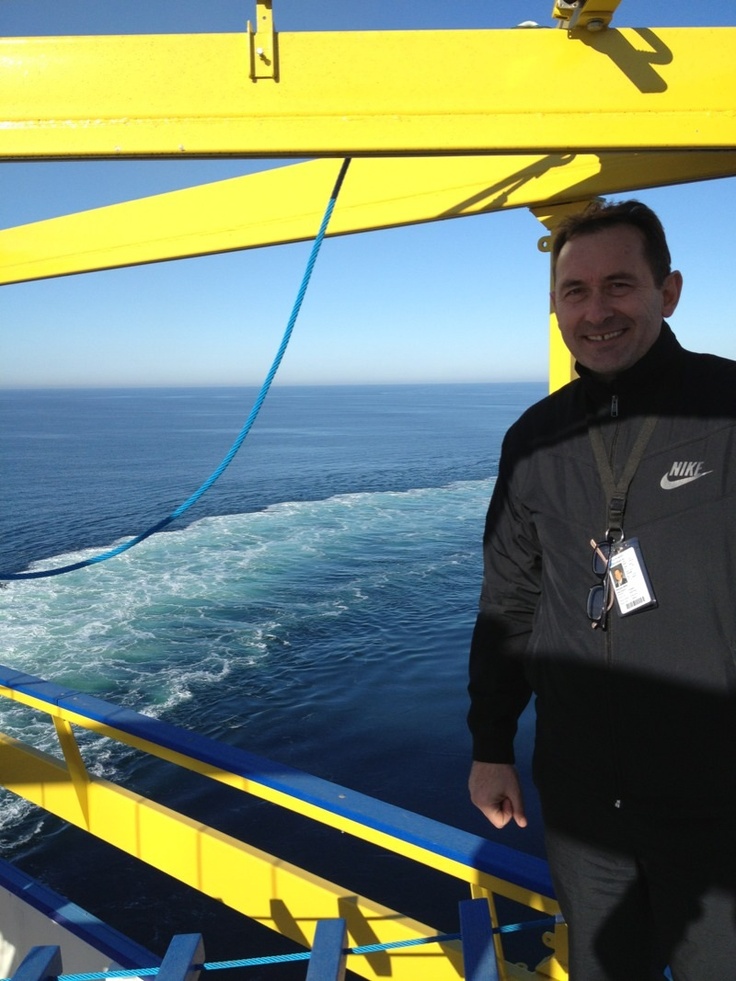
[[644, 386]]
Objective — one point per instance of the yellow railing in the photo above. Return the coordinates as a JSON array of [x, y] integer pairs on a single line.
[[279, 895]]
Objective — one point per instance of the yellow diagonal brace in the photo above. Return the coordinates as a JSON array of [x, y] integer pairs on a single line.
[[80, 779], [358, 93], [285, 205]]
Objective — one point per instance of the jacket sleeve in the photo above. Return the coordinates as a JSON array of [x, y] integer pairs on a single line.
[[498, 688]]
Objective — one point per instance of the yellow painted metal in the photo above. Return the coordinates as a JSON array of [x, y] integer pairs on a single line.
[[557, 964], [262, 887], [262, 43], [74, 762], [286, 204], [561, 362], [357, 93]]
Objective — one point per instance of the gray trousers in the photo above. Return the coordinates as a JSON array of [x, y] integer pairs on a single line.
[[643, 891]]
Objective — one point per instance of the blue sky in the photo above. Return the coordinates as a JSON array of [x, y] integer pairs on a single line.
[[455, 301]]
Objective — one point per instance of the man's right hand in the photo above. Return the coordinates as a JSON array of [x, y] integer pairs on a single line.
[[495, 789]]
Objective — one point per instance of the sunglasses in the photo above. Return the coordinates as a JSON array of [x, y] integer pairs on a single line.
[[600, 596]]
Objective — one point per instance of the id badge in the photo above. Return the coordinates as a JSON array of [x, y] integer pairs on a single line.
[[632, 589]]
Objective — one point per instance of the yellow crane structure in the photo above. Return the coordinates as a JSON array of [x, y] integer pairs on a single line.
[[439, 124]]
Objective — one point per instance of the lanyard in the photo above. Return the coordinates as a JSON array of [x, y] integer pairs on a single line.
[[616, 491]]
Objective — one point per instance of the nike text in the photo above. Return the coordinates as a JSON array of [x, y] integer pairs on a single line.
[[683, 472]]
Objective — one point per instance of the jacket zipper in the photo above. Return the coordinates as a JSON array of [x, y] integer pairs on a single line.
[[617, 802]]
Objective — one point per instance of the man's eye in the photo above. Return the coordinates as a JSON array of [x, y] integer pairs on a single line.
[[617, 289]]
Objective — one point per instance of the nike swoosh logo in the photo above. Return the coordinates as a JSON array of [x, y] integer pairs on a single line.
[[667, 484]]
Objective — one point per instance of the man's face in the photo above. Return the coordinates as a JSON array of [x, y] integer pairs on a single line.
[[608, 307]]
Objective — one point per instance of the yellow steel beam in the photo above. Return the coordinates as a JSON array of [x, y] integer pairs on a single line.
[[275, 893], [286, 205], [357, 93]]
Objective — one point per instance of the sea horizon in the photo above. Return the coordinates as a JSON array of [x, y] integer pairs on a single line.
[[195, 386]]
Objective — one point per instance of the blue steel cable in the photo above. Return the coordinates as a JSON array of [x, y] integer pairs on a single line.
[[178, 512]]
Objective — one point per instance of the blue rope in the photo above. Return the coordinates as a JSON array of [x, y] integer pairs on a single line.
[[243, 432]]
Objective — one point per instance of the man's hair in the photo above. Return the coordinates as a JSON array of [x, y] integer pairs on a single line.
[[599, 215]]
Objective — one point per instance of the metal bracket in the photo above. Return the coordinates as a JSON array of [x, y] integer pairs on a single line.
[[593, 15], [262, 43], [555, 967]]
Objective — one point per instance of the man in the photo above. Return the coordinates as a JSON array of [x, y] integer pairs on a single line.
[[633, 463]]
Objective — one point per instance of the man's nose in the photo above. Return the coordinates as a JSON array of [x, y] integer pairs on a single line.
[[598, 307]]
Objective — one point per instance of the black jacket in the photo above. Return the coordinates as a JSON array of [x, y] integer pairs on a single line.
[[646, 710]]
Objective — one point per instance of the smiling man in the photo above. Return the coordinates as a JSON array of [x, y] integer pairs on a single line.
[[608, 593], [609, 301]]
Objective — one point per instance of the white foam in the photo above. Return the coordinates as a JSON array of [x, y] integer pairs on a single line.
[[173, 618]]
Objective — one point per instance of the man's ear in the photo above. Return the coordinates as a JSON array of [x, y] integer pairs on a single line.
[[671, 290]]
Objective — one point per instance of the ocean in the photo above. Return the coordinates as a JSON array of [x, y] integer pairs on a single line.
[[314, 607]]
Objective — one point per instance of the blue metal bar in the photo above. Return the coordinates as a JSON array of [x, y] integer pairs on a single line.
[[184, 958], [479, 955], [329, 956], [39, 964]]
